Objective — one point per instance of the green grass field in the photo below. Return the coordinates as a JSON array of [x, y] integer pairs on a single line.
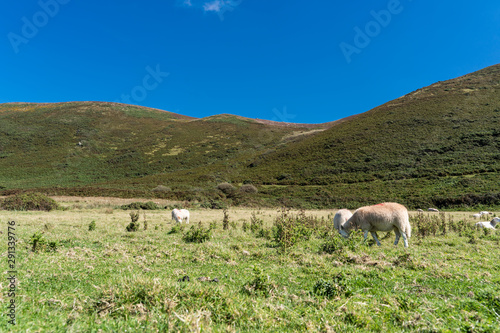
[[110, 280]]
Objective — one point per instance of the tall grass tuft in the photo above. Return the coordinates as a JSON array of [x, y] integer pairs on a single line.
[[225, 220]]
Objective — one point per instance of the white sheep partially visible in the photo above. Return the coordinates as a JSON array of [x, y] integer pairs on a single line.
[[488, 225], [382, 217], [180, 214], [477, 215], [341, 217]]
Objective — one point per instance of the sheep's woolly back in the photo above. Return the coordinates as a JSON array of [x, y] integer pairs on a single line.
[[389, 211]]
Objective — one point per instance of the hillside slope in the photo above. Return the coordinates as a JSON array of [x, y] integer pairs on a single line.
[[449, 129], [439, 145], [88, 143]]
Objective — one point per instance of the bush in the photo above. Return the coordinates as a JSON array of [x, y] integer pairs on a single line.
[[40, 244], [245, 226], [290, 229], [260, 284], [248, 188], [255, 223], [161, 188], [214, 204], [226, 188], [150, 205], [337, 287], [92, 226], [332, 245], [197, 234], [335, 243], [177, 228], [134, 224], [29, 201]]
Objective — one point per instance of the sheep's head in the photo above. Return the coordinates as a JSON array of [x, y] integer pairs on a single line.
[[344, 231], [495, 221], [352, 223]]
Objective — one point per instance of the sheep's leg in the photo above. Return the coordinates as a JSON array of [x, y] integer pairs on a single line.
[[398, 235], [374, 235], [405, 239]]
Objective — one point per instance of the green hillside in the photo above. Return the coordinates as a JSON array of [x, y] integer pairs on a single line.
[[441, 141], [438, 146], [74, 145]]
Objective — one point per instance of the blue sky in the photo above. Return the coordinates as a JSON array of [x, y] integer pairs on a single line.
[[296, 61]]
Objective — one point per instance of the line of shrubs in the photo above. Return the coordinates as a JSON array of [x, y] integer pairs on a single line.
[[28, 201]]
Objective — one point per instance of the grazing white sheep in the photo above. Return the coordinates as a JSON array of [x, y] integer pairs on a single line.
[[484, 213], [420, 210], [382, 217], [341, 217], [180, 214], [488, 225], [433, 210], [477, 215]]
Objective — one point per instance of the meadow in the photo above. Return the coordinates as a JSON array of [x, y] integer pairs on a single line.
[[258, 269]]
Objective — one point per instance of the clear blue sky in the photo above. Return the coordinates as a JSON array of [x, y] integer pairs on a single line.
[[298, 61]]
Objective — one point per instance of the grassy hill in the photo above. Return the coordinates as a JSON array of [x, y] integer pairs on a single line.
[[75, 145], [439, 145], [439, 141]]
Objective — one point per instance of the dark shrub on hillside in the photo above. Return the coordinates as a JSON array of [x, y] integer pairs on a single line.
[[226, 188], [161, 188], [150, 205], [468, 200], [29, 201], [248, 188], [214, 204]]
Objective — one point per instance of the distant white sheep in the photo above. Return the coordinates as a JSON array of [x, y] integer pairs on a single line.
[[341, 217], [180, 214], [488, 225], [433, 210], [478, 215], [382, 217]]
